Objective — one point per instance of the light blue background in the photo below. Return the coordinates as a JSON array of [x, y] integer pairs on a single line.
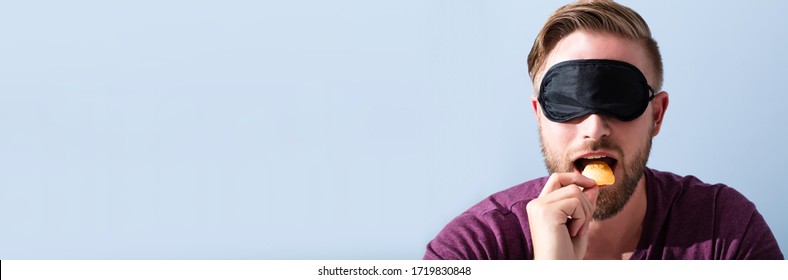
[[331, 129]]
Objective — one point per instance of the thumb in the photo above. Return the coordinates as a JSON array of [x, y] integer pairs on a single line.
[[580, 245], [592, 194]]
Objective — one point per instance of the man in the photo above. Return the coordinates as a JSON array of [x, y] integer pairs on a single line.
[[597, 75]]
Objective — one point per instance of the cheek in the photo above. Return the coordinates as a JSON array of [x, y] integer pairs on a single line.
[[557, 131], [556, 134], [634, 135]]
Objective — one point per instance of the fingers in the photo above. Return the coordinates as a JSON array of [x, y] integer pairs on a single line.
[[577, 214], [572, 204], [556, 207], [560, 217], [559, 180], [591, 194], [563, 186]]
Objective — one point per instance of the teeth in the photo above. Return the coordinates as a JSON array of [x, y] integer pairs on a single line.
[[594, 157]]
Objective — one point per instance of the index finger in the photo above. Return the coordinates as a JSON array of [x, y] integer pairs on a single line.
[[560, 180]]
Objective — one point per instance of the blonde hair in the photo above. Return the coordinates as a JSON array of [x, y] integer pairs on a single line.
[[600, 16]]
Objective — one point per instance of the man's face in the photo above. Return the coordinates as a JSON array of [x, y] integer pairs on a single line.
[[625, 145]]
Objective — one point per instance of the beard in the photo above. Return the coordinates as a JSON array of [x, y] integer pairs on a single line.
[[612, 198]]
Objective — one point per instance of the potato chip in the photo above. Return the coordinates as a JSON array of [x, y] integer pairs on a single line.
[[600, 172]]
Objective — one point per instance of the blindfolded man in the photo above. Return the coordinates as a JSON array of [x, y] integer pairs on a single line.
[[597, 74]]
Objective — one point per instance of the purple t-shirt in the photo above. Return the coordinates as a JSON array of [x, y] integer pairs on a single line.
[[685, 219]]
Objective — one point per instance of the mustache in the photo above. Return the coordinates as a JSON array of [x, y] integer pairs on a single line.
[[600, 144]]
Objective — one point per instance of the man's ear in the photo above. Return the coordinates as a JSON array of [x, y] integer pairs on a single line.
[[660, 105], [537, 109]]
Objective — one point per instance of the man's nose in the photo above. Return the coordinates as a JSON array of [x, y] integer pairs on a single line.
[[594, 127]]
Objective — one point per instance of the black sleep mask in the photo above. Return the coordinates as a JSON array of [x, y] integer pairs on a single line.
[[575, 88]]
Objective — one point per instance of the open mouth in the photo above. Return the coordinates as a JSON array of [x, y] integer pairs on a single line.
[[581, 163]]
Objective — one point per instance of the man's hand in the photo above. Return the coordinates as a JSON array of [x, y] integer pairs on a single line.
[[560, 216]]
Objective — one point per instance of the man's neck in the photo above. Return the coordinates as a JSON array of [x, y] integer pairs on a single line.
[[617, 237]]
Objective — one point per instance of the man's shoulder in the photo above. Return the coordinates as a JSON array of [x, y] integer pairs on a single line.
[[699, 220], [494, 228], [691, 191], [503, 201]]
